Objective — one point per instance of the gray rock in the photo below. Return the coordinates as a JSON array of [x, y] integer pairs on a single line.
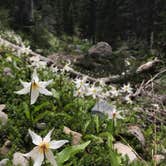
[[6, 147], [102, 107], [3, 118], [7, 71], [100, 50], [4, 162], [41, 126]]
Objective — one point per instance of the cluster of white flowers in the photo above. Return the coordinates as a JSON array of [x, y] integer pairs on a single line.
[[3, 43], [114, 92], [18, 50], [44, 145], [37, 62], [12, 36], [128, 90], [23, 50], [83, 88]]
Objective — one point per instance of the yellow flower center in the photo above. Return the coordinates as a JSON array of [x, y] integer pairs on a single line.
[[43, 147], [34, 85], [94, 90]]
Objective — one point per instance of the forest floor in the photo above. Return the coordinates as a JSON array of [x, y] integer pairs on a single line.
[[136, 102]]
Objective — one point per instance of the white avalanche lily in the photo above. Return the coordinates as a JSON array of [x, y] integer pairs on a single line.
[[37, 62], [94, 91], [114, 115], [128, 99], [127, 88], [43, 148], [114, 92], [81, 83], [34, 88]]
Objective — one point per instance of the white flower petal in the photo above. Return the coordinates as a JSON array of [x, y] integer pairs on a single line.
[[35, 76], [34, 58], [57, 144], [39, 159], [50, 157], [119, 116], [47, 138], [45, 83], [25, 84], [23, 91], [34, 95], [36, 156], [36, 139], [45, 91], [33, 153]]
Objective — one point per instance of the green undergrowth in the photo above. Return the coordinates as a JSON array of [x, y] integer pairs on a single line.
[[64, 109]]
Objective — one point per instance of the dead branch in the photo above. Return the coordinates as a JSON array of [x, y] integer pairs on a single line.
[[153, 78]]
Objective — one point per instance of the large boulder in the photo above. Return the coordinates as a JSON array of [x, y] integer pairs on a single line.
[[101, 50], [98, 58], [101, 60]]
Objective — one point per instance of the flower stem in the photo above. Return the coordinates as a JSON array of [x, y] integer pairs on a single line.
[[31, 119]]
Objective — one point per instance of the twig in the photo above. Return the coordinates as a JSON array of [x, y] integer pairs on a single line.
[[153, 78]]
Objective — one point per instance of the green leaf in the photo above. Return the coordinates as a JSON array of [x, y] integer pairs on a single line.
[[69, 152], [39, 107], [114, 159], [26, 110], [55, 94], [109, 138], [41, 116], [84, 128], [94, 138], [96, 120]]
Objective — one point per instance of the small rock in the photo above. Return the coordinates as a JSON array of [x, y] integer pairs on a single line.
[[3, 118], [5, 148], [136, 131], [7, 71], [102, 107], [76, 136], [4, 162], [125, 150], [2, 107], [19, 159], [41, 126]]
